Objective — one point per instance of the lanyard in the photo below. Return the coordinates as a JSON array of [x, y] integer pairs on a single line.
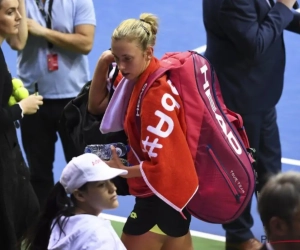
[[47, 17]]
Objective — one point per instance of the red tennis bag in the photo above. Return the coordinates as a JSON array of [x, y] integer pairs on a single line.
[[216, 137]]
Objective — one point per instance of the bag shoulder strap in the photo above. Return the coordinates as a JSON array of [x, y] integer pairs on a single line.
[[151, 79], [114, 77]]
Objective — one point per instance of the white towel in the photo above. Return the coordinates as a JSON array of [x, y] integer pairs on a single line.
[[114, 115]]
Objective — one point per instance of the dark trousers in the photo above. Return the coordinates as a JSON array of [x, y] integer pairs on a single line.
[[263, 135], [39, 135], [18, 203]]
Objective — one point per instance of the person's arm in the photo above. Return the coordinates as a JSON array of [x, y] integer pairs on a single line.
[[18, 42], [81, 41], [294, 26], [238, 19], [27, 106], [8, 115], [99, 94]]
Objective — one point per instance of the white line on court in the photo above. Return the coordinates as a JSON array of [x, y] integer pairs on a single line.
[[290, 162]]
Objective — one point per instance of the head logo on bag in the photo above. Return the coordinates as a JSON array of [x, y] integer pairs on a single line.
[[236, 146], [216, 137]]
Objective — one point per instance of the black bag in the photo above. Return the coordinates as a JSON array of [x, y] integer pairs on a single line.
[[83, 128]]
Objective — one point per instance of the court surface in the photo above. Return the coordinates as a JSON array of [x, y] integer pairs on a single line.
[[181, 28]]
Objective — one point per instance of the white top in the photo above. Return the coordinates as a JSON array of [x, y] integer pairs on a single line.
[[85, 232]]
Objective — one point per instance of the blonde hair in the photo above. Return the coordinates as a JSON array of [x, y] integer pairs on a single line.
[[142, 30]]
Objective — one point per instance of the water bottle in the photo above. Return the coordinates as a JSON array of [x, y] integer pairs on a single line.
[[104, 152]]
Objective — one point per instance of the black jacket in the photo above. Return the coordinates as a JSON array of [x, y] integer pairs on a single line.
[[264, 247], [245, 45], [18, 203]]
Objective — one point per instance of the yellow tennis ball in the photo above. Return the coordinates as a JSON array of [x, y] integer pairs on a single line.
[[12, 100], [21, 93], [17, 83]]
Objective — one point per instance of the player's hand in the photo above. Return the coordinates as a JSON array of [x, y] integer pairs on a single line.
[[107, 57], [115, 161]]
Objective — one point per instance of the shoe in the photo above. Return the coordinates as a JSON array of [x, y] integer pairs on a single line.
[[251, 244]]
